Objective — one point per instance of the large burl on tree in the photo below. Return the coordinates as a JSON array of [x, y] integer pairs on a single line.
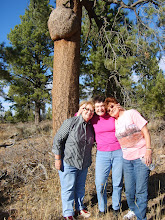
[[62, 23]]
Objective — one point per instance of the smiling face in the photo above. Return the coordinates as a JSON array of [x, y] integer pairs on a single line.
[[100, 108], [113, 110], [88, 112]]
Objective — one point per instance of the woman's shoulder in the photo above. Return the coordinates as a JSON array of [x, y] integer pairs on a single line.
[[72, 119], [134, 114], [132, 111]]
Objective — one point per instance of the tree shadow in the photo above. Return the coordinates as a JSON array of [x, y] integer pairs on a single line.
[[6, 145], [156, 185], [158, 206], [5, 195], [12, 214], [4, 215]]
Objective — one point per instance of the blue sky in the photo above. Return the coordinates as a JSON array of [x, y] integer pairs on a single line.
[[10, 11]]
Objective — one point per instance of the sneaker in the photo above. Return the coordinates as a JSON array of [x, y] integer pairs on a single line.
[[84, 213], [69, 218], [129, 215]]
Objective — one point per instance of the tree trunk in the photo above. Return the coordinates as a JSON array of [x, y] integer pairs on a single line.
[[65, 92], [43, 108], [37, 113]]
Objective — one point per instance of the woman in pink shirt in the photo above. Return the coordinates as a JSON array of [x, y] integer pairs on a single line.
[[134, 138], [109, 156]]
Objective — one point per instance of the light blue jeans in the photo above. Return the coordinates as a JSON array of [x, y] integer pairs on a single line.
[[105, 161], [136, 176], [72, 188]]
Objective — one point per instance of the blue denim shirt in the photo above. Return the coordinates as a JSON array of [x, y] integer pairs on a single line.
[[74, 141]]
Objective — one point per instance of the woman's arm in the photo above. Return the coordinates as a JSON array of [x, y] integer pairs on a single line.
[[148, 154], [59, 141], [58, 162]]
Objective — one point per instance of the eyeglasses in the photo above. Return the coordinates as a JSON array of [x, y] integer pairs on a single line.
[[87, 109]]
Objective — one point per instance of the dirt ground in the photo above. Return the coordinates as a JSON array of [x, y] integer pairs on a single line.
[[30, 187]]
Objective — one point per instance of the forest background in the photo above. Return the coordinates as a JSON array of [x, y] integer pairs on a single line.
[[119, 59], [122, 45]]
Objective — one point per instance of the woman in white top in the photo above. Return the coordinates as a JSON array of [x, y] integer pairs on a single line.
[[134, 138]]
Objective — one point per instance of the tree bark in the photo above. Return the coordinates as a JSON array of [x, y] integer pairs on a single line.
[[65, 92], [37, 113]]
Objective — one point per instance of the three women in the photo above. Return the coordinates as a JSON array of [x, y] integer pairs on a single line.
[[134, 138]]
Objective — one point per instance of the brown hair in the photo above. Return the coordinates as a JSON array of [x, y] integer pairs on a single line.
[[110, 99], [98, 99]]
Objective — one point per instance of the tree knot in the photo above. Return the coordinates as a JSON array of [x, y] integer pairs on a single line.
[[62, 23]]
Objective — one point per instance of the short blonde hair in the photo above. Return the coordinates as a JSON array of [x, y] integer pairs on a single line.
[[90, 103], [86, 102], [82, 103]]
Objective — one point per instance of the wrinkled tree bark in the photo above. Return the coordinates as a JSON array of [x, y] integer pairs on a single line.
[[65, 92]]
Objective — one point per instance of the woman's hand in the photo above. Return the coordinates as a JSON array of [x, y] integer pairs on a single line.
[[58, 164], [120, 107], [148, 154], [81, 109], [148, 157]]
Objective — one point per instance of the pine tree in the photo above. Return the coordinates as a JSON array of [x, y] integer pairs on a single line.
[[119, 54], [30, 59], [108, 73]]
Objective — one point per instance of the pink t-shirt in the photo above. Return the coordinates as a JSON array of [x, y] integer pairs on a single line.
[[104, 127], [128, 132]]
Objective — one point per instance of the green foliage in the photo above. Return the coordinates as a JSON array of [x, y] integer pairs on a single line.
[[121, 60], [104, 73], [9, 116], [30, 59], [4, 74], [150, 96], [49, 114]]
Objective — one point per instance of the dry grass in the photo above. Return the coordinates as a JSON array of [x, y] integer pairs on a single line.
[[30, 187]]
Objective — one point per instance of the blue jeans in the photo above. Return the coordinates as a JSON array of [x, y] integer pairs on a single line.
[[136, 176], [72, 188], [105, 161]]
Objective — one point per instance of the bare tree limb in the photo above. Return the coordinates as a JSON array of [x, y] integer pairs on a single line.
[[89, 6]]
